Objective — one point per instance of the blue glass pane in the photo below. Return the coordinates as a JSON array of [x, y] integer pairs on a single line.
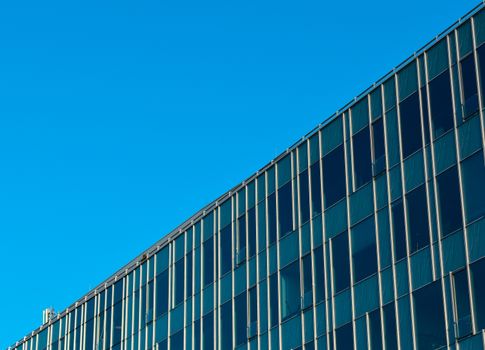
[[285, 209], [429, 317], [304, 198], [272, 219], [344, 337], [410, 117], [362, 157], [449, 201], [240, 317], [364, 252], [417, 218], [341, 266], [290, 290], [399, 230], [473, 172], [441, 103], [316, 189], [226, 249], [333, 176]]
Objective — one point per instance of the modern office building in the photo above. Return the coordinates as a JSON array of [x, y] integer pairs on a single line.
[[367, 233]]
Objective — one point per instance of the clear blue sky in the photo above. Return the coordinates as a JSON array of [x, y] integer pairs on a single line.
[[119, 119]]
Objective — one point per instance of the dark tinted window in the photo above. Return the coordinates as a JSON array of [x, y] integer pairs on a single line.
[[179, 281], [410, 125], [290, 290], [316, 189], [285, 214], [177, 340], [429, 317], [272, 218], [390, 337], [226, 247], [441, 103], [473, 172], [362, 157], [333, 176], [379, 163], [240, 306], [341, 266], [241, 234], [344, 337], [449, 201], [478, 285], [319, 274], [162, 293], [188, 274], [375, 330], [304, 197], [417, 219], [251, 232], [208, 262], [364, 252], [273, 299], [226, 326], [208, 331], [470, 96], [462, 304], [399, 230], [481, 70]]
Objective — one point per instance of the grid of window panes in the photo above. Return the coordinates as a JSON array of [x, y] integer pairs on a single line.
[[368, 234]]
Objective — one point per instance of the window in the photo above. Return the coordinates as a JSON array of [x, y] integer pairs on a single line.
[[241, 238], [319, 274], [364, 251], [290, 290], [226, 249], [307, 280], [177, 340], [379, 161], [340, 257], [179, 282], [344, 337], [449, 201], [399, 230], [481, 66], [463, 322], [272, 218], [285, 211], [316, 189], [251, 232], [473, 172], [188, 274], [208, 331], [333, 176], [208, 262], [469, 82], [375, 330], [441, 104], [253, 312], [429, 317], [304, 198], [240, 316], [226, 325], [417, 219], [162, 293], [362, 158], [273, 299], [390, 337], [477, 271], [410, 119]]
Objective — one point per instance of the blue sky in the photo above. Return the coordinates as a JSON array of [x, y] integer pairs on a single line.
[[120, 119]]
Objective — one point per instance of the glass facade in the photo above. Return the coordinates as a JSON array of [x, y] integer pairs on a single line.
[[368, 233]]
